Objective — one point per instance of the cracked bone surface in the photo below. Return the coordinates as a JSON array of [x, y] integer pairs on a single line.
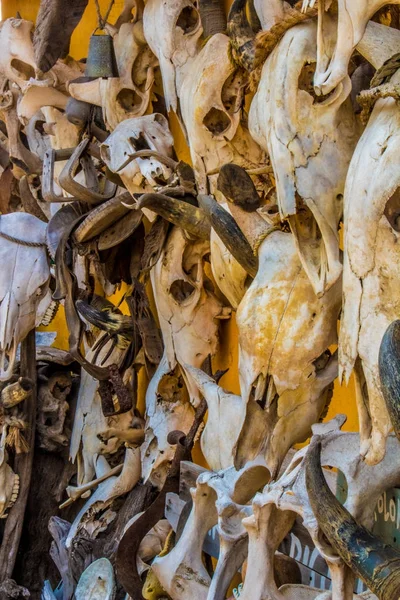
[[288, 496], [218, 499], [24, 283], [189, 314], [310, 144], [371, 291], [128, 95], [280, 318], [9, 481], [17, 60], [173, 30], [211, 99], [333, 58]]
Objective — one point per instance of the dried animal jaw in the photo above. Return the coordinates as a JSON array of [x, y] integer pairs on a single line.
[[173, 31], [282, 398], [24, 284], [148, 132], [303, 145], [333, 60], [370, 284], [9, 481], [17, 61]]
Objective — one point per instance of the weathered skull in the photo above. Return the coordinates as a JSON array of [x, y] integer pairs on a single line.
[[24, 283], [17, 60], [334, 57], [52, 411], [310, 144], [371, 291], [150, 132], [172, 30], [284, 368], [128, 95], [211, 100]]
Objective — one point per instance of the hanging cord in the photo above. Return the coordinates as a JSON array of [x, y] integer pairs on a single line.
[[15, 240], [100, 20]]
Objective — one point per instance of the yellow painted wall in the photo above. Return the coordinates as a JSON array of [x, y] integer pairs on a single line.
[[227, 357]]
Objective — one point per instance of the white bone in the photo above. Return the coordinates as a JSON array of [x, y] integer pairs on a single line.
[[310, 146], [96, 582], [284, 332], [37, 96], [371, 289], [24, 284], [17, 60]]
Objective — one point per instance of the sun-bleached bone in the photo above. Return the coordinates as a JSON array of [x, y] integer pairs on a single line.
[[24, 283], [152, 543], [9, 481], [284, 369], [128, 95], [220, 432], [89, 421], [97, 582], [211, 99], [36, 96], [218, 499], [310, 150], [88, 517], [334, 58], [17, 60], [371, 254], [288, 495], [173, 31]]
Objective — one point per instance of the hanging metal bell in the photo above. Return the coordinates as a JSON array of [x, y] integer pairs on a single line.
[[101, 61]]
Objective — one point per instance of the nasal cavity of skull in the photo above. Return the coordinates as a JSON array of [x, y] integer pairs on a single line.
[[392, 210], [181, 290], [188, 20], [306, 82], [22, 69], [139, 143], [232, 92], [128, 99], [216, 121]]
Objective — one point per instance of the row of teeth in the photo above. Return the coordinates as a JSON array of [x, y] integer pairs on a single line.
[[50, 313], [308, 4]]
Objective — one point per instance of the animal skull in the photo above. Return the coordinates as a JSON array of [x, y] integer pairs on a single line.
[[53, 408], [370, 283], [310, 144], [17, 60], [128, 95], [334, 57], [279, 318], [24, 283], [211, 100], [173, 30]]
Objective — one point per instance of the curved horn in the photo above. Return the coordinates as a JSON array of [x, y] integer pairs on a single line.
[[376, 563], [389, 371], [230, 233], [185, 215], [238, 187], [104, 319], [213, 17], [241, 35]]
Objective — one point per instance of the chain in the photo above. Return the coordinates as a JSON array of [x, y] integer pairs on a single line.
[[102, 21]]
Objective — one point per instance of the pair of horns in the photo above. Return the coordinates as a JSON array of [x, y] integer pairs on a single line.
[[376, 563]]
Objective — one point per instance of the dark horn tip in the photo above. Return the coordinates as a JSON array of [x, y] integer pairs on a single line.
[[389, 371], [237, 186]]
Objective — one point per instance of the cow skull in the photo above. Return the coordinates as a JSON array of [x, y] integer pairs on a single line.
[[17, 60], [310, 144], [371, 289], [334, 57], [128, 95], [173, 30], [280, 318], [24, 283]]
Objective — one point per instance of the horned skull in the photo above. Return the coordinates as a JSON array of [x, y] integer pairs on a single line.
[[310, 144], [173, 30], [24, 283]]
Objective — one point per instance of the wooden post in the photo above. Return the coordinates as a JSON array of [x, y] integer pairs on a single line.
[[22, 465]]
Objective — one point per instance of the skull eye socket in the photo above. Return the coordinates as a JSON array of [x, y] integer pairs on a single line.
[[181, 290], [216, 121], [128, 99], [22, 69], [139, 143], [392, 210], [188, 20]]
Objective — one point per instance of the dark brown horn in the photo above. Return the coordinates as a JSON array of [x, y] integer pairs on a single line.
[[241, 35], [389, 371], [213, 18], [238, 187], [376, 563], [191, 218], [104, 319], [230, 233]]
